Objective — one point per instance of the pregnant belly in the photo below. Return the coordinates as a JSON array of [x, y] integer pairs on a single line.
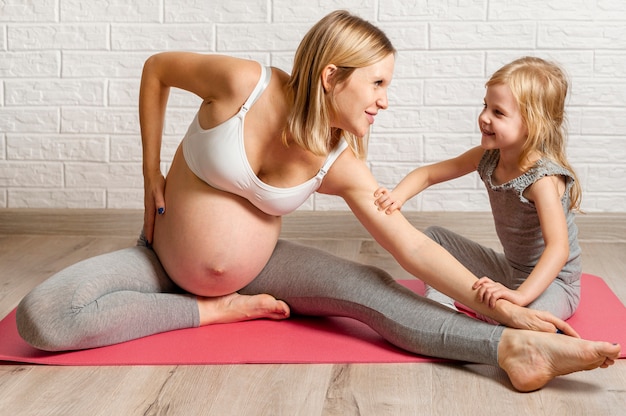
[[210, 242]]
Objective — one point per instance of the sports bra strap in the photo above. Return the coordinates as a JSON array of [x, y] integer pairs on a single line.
[[266, 75]]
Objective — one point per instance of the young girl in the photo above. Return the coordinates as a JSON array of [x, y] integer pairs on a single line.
[[532, 189]]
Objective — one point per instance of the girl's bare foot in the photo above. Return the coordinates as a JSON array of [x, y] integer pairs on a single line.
[[237, 308], [532, 359]]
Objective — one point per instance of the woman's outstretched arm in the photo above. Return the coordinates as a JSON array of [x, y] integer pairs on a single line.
[[352, 180]]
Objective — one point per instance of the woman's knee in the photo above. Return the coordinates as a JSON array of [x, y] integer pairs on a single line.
[[37, 324]]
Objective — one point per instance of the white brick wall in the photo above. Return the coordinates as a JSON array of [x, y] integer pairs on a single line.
[[70, 69]]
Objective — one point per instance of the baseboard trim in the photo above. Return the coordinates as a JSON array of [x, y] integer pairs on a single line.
[[602, 227]]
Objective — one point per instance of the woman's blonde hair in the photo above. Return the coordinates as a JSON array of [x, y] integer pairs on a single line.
[[348, 42], [540, 88]]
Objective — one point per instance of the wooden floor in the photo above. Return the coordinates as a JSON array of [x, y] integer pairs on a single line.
[[35, 244]]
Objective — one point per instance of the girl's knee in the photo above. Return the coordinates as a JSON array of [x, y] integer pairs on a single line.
[[434, 232]]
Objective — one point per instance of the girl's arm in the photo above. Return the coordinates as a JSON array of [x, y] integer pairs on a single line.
[[423, 177], [211, 77], [351, 179], [546, 194]]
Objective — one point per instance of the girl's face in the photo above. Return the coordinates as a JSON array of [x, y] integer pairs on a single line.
[[500, 121], [362, 95]]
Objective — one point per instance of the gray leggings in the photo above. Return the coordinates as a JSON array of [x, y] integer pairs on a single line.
[[561, 298], [126, 294]]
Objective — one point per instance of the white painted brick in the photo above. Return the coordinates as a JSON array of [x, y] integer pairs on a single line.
[[396, 147], [125, 93], [99, 120], [574, 120], [439, 64], [330, 203], [538, 10], [2, 147], [606, 177], [103, 64], [311, 11], [40, 92], [593, 92], [28, 11], [439, 147], [169, 147], [29, 174], [191, 37], [126, 148], [56, 36], [56, 198], [604, 202], [184, 99], [581, 35], [406, 92], [29, 120], [57, 148], [426, 119], [483, 35], [110, 11], [425, 10], [29, 64], [233, 11], [283, 60], [257, 37], [114, 175], [405, 37], [610, 10], [596, 149], [434, 200], [604, 121], [610, 64], [177, 121], [3, 198], [125, 199], [390, 175], [454, 92]]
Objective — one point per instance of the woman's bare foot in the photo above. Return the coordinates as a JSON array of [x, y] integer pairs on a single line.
[[532, 359], [237, 308]]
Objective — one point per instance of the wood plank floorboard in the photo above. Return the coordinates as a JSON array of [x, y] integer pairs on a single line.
[[36, 243]]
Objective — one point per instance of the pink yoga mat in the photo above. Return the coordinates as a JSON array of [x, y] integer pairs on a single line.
[[600, 316]]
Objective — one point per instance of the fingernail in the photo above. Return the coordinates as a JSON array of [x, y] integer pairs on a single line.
[[161, 210]]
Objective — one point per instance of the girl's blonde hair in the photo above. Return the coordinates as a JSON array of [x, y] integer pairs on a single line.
[[348, 42], [540, 88]]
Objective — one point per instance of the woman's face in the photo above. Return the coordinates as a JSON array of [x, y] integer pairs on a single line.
[[362, 95]]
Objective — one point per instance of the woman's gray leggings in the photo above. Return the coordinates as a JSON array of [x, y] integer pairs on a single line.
[[126, 294]]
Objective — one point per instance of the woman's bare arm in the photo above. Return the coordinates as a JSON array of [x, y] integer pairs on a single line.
[[351, 179]]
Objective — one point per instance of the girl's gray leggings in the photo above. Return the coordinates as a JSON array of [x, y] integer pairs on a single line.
[[126, 294], [561, 298]]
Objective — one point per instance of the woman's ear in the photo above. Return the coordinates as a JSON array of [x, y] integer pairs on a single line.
[[327, 74]]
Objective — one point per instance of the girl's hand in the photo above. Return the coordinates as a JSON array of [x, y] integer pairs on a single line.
[[386, 201], [535, 320], [489, 292], [154, 202]]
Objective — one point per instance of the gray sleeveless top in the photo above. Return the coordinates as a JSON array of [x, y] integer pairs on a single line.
[[516, 219]]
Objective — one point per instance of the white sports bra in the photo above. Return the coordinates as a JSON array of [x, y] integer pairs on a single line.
[[218, 157]]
